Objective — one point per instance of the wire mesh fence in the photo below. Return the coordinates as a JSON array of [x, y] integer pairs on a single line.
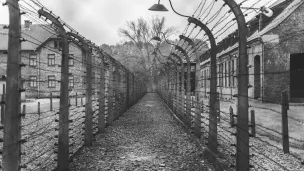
[[242, 107], [59, 90]]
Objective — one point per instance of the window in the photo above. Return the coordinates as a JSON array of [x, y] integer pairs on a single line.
[[33, 60], [51, 59], [33, 81], [71, 81], [57, 44], [52, 81], [71, 60], [192, 68]]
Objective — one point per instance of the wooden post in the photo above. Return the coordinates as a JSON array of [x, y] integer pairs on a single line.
[[12, 120], [101, 118], [252, 123], [81, 101], [285, 134], [88, 136], [38, 108], [63, 138], [51, 102]]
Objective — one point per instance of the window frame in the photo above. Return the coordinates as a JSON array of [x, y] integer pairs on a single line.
[[52, 59], [33, 82], [31, 60], [50, 81], [71, 81]]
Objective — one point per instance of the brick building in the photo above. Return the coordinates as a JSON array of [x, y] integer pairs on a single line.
[[275, 56], [41, 53]]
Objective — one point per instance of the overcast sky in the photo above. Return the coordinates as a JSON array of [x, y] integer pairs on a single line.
[[99, 20]]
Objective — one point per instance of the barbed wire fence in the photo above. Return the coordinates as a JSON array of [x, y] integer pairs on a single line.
[[218, 123], [76, 88]]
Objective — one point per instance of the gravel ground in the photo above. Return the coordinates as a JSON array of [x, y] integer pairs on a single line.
[[147, 138]]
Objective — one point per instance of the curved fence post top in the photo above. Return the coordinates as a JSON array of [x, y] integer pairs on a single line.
[[85, 44], [55, 20], [184, 52]]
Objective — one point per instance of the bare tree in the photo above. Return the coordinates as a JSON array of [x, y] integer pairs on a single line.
[[140, 32]]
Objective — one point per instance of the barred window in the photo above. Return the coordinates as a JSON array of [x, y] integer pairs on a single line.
[[51, 59], [71, 80], [33, 60], [33, 81], [57, 44], [51, 81]]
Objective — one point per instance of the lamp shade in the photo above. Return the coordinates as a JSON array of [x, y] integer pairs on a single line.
[[156, 38], [158, 7], [266, 11]]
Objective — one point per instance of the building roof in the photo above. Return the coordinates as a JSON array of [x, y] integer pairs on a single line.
[[36, 35], [279, 16]]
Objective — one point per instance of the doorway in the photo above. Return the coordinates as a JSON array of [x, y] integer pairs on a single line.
[[297, 75], [257, 77]]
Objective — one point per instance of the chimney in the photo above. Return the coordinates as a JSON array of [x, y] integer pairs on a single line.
[[27, 24]]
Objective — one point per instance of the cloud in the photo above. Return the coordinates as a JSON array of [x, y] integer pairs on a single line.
[[99, 20]]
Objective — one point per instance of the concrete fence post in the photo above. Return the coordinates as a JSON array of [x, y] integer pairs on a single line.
[[101, 116], [12, 120], [63, 138]]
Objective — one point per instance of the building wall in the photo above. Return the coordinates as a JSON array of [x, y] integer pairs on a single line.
[[254, 50], [275, 61], [42, 71], [3, 65], [277, 55]]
